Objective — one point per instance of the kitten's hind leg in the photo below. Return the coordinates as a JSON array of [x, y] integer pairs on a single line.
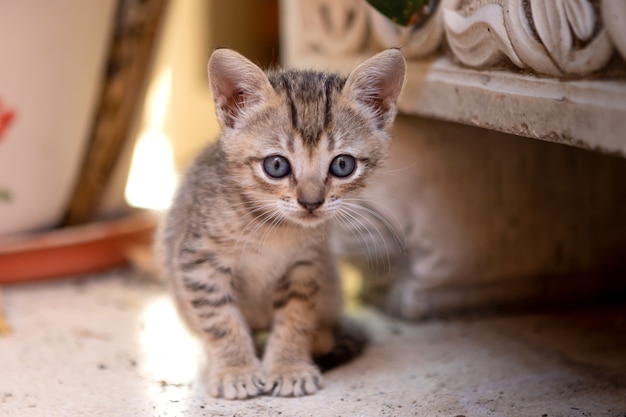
[[338, 345]]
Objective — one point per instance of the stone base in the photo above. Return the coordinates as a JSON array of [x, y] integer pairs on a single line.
[[490, 220]]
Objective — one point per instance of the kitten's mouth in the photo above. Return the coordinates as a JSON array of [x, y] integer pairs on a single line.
[[310, 218]]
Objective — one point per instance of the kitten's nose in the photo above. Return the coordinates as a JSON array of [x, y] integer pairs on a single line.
[[310, 205]]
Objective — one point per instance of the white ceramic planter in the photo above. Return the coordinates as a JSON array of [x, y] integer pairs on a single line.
[[51, 60]]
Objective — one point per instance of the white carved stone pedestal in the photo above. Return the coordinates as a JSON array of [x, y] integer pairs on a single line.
[[491, 217]]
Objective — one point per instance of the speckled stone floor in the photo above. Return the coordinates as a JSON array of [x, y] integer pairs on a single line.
[[112, 345]]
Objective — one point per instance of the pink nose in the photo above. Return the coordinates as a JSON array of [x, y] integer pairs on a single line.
[[310, 205]]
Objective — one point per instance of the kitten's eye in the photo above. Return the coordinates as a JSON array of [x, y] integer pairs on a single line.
[[276, 166], [342, 166]]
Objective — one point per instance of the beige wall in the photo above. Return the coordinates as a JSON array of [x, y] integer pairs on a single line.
[[193, 29], [185, 47]]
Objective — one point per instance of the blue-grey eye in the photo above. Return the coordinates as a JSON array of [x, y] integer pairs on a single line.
[[342, 166], [276, 166]]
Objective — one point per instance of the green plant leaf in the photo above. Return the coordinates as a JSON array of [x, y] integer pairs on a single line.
[[406, 12]]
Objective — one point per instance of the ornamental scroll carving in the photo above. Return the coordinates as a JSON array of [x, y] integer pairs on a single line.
[[335, 27], [552, 37]]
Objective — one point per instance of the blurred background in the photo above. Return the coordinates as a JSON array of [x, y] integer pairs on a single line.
[[122, 82], [104, 103], [101, 109], [178, 114]]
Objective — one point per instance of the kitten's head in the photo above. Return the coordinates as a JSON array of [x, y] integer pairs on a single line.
[[301, 143]]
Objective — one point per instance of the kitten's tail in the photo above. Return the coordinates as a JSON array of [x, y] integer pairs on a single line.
[[350, 342]]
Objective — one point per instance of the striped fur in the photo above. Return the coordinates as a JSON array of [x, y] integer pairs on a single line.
[[246, 251]]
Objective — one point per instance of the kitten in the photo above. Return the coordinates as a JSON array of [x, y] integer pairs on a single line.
[[246, 240]]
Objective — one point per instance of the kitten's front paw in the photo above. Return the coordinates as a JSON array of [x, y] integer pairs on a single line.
[[293, 380], [237, 383]]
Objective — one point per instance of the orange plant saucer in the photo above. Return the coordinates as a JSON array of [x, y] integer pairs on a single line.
[[75, 250]]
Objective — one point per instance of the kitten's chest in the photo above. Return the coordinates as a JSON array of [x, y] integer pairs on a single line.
[[262, 267], [258, 271], [264, 263], [267, 254], [257, 275]]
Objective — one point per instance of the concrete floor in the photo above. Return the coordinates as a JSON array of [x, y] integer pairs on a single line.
[[112, 345]]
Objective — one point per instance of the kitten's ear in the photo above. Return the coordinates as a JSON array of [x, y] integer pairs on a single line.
[[376, 84], [237, 85]]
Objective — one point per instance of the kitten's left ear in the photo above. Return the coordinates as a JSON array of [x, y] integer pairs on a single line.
[[376, 84], [238, 85]]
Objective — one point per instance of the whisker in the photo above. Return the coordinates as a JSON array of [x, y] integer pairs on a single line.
[[358, 229], [276, 218], [398, 240], [256, 222], [366, 202], [372, 253], [353, 209], [354, 213], [393, 172]]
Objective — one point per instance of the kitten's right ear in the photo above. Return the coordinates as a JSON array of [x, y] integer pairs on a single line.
[[237, 85]]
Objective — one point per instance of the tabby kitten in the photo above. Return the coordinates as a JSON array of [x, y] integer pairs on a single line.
[[246, 240]]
